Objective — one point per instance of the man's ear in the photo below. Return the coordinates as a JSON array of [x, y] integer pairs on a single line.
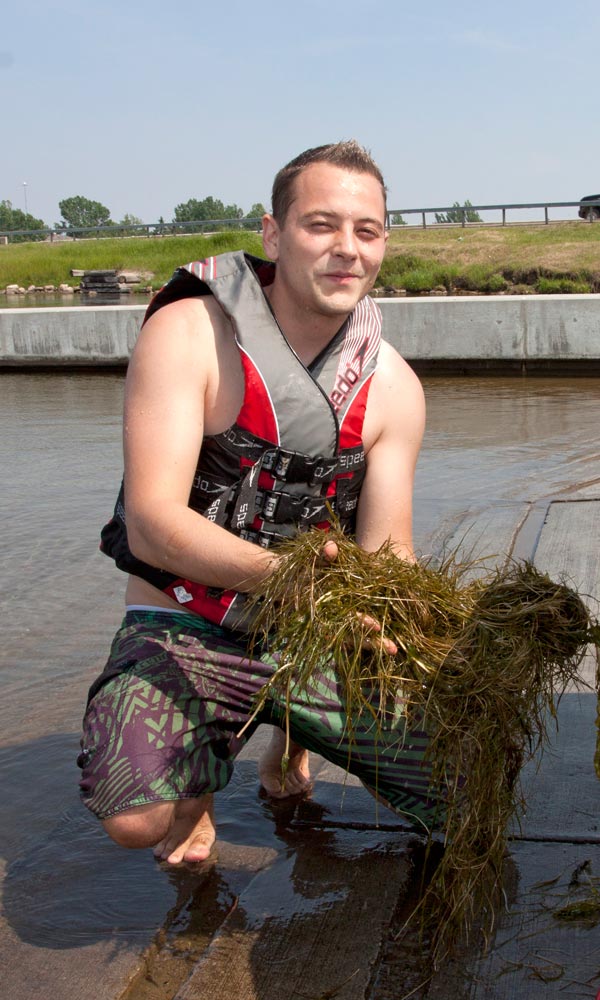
[[270, 237]]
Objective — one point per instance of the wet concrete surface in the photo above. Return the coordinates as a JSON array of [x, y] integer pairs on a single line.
[[304, 898], [553, 859]]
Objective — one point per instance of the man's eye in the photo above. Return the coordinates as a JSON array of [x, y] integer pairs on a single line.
[[368, 234]]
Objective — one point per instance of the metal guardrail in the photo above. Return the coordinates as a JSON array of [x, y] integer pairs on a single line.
[[465, 209], [59, 233], [210, 225]]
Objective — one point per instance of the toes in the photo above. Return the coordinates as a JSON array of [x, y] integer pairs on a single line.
[[195, 848], [296, 783], [272, 784], [165, 848], [191, 836], [175, 856], [199, 847], [297, 777], [159, 848]]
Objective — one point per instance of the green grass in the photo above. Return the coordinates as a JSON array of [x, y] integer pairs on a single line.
[[418, 275], [484, 255], [562, 286], [27, 264], [560, 257]]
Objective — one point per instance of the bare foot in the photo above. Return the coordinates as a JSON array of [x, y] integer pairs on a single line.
[[297, 778], [191, 835]]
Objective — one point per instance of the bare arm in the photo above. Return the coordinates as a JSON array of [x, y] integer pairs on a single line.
[[394, 427], [174, 394]]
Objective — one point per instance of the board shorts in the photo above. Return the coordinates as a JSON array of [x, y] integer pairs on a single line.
[[163, 721]]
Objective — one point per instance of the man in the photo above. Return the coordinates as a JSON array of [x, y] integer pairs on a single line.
[[257, 395]]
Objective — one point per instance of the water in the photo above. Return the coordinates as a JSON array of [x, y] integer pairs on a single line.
[[489, 442], [491, 439], [51, 301]]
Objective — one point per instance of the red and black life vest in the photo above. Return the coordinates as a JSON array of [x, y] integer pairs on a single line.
[[295, 451]]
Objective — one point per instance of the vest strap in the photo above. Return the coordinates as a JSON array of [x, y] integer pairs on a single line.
[[292, 467], [278, 506]]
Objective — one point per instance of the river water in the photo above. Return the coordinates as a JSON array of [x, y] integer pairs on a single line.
[[38, 300], [489, 442]]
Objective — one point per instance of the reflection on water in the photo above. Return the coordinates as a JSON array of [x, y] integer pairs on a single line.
[[53, 301], [489, 441], [509, 439]]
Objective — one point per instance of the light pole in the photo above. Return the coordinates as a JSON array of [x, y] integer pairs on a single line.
[[25, 195]]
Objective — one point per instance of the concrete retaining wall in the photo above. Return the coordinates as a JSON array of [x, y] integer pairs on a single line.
[[516, 328], [73, 336], [485, 330]]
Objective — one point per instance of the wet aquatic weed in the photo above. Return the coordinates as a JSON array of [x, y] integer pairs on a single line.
[[480, 665]]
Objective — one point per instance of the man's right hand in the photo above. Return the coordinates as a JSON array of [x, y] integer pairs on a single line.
[[373, 637]]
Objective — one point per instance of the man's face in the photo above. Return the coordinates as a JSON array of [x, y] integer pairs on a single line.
[[331, 245]]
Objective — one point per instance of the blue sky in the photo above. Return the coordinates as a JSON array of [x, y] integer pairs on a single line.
[[142, 109]]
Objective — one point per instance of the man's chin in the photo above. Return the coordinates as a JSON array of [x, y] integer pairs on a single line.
[[340, 303]]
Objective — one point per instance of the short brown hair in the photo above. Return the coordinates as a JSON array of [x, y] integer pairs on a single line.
[[349, 155]]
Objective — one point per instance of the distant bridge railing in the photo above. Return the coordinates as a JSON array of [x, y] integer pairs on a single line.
[[461, 212], [59, 233]]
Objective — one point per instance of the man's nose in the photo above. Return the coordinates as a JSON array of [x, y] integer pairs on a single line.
[[346, 242]]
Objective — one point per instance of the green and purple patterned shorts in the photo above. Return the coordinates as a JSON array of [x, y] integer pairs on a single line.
[[163, 719]]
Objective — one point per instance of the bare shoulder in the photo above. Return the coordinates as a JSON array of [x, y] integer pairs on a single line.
[[394, 372], [396, 404], [182, 333], [186, 360]]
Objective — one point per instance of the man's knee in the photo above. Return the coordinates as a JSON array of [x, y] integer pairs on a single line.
[[141, 826]]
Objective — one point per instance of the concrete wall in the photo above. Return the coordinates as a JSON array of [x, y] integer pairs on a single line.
[[509, 330], [78, 335], [495, 327]]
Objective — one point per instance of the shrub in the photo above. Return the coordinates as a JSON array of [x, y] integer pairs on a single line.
[[562, 286]]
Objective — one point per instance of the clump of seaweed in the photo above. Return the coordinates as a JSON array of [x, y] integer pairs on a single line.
[[581, 901], [480, 665]]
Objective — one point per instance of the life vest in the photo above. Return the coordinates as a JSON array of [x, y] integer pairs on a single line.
[[294, 456]]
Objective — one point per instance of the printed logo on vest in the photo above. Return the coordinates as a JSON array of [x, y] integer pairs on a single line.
[[357, 458], [347, 378], [312, 512], [182, 595], [211, 513], [241, 514]]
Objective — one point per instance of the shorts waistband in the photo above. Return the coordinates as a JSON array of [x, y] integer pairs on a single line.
[[153, 607], [164, 617]]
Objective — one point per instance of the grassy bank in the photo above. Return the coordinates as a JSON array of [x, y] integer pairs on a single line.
[[26, 264], [560, 257]]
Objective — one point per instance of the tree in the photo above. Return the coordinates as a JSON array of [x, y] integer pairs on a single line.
[[256, 212], [455, 214], [12, 219], [130, 220], [80, 213], [209, 209], [397, 220]]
